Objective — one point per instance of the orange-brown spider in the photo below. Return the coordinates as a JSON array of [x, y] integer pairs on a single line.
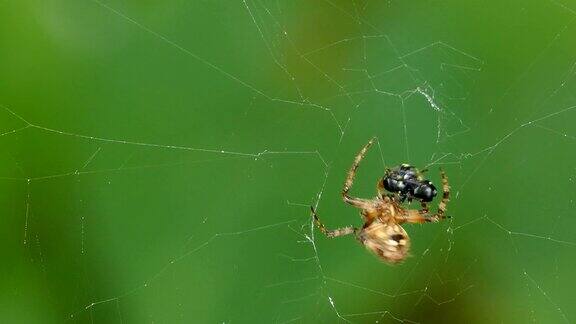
[[383, 216]]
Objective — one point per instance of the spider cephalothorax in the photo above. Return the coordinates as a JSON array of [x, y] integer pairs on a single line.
[[383, 216], [406, 181]]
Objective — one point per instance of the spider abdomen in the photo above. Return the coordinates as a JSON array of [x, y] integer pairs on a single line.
[[390, 242]]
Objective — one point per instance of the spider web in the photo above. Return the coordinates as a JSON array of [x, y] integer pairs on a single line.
[[160, 159]]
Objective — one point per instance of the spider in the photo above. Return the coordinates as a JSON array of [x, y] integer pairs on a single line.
[[383, 216]]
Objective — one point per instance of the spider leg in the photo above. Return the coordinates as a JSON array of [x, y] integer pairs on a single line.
[[380, 188], [416, 216], [332, 233], [356, 202], [445, 196]]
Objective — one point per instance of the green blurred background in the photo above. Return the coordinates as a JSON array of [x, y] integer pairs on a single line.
[[158, 159]]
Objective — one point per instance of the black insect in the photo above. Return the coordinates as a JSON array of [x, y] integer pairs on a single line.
[[408, 183]]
